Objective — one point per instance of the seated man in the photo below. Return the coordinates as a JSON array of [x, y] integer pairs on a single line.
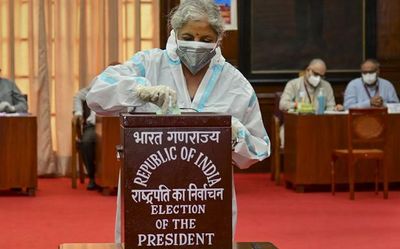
[[11, 99], [88, 143], [369, 90], [304, 89]]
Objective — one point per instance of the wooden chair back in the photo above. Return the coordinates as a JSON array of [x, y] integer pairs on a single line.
[[366, 128]]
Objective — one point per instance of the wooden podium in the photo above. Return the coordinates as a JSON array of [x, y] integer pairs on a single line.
[[177, 179]]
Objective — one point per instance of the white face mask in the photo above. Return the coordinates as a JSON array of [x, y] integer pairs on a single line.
[[369, 78], [314, 80], [195, 55]]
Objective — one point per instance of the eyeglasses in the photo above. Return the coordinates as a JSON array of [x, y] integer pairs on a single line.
[[317, 74], [369, 71]]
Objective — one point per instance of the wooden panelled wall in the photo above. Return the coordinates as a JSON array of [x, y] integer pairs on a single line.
[[388, 53]]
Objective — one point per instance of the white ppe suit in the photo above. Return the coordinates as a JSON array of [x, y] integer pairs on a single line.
[[223, 89]]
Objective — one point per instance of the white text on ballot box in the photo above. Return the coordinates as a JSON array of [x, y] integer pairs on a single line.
[[177, 179]]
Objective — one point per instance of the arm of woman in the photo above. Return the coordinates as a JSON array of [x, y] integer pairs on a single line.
[[115, 88], [253, 141]]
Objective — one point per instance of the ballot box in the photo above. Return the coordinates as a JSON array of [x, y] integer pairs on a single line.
[[177, 181]]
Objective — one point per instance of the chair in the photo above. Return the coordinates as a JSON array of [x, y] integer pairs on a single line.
[[76, 135], [366, 137], [277, 151]]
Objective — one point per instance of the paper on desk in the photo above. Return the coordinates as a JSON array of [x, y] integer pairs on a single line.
[[393, 107], [14, 114], [337, 112]]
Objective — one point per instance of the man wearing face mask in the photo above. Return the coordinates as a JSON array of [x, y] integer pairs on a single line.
[[305, 89], [369, 90]]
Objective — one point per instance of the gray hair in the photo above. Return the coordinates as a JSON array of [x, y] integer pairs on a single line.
[[373, 61], [317, 61], [197, 10]]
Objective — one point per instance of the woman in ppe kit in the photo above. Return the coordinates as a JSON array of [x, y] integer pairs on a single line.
[[190, 73]]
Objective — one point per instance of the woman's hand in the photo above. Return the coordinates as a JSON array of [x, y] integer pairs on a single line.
[[161, 95]]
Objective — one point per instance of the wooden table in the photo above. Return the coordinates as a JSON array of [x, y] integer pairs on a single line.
[[309, 141], [18, 153], [107, 165], [240, 245]]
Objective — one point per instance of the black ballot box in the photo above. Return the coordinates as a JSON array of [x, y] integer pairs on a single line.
[[177, 181]]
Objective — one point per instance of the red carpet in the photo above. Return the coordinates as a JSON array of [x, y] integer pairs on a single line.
[[315, 220], [59, 214]]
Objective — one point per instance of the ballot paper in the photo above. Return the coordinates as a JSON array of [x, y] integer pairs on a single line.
[[393, 107]]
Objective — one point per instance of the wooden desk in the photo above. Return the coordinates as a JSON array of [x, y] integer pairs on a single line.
[[107, 165], [240, 245], [310, 139], [18, 153]]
